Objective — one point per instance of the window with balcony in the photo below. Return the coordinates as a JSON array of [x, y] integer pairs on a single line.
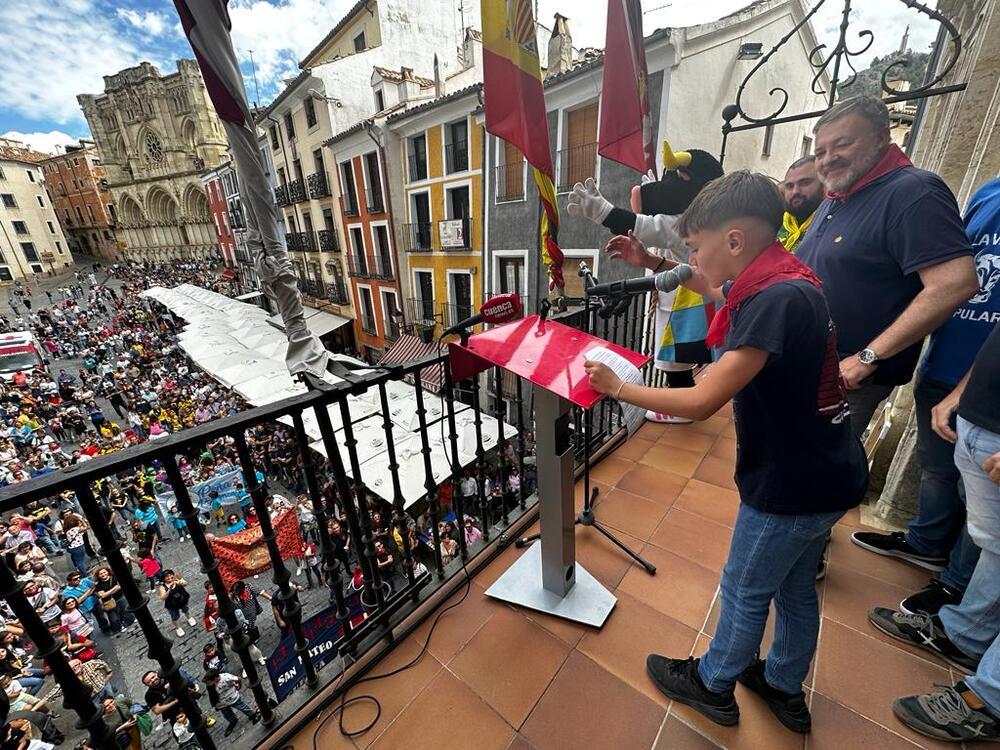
[[456, 148], [511, 275], [578, 159], [416, 152], [510, 173], [349, 191], [460, 307], [423, 282], [273, 130], [289, 126], [310, 106], [383, 252], [419, 229], [367, 311], [373, 176], [391, 315], [359, 263], [455, 230], [20, 227]]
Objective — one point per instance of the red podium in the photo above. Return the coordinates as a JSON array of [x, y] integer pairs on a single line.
[[550, 355]]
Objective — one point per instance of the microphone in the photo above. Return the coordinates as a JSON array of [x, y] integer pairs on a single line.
[[499, 309], [665, 281]]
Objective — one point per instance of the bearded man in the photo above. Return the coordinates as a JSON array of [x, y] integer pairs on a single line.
[[802, 192]]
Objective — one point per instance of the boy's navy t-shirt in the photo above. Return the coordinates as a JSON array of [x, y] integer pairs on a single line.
[[790, 458]]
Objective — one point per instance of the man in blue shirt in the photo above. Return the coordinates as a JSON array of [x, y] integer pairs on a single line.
[[889, 247], [937, 538], [82, 589]]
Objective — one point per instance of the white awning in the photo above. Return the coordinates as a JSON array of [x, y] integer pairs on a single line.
[[250, 295], [319, 322]]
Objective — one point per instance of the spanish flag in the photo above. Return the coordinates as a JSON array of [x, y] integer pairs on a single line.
[[514, 104]]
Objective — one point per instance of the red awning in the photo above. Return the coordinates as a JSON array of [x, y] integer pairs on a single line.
[[229, 274], [409, 348]]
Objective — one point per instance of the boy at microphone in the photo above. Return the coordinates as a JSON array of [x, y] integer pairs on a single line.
[[798, 467]]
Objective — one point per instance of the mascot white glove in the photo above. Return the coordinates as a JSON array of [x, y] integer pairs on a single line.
[[648, 178], [586, 200]]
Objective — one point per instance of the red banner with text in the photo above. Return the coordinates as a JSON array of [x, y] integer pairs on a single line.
[[244, 554]]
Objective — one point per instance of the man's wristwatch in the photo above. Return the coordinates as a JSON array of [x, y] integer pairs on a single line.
[[868, 357]]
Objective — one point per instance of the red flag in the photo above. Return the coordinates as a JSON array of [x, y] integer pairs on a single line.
[[244, 553], [626, 134]]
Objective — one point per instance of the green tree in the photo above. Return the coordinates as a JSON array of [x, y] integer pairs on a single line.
[[868, 81]]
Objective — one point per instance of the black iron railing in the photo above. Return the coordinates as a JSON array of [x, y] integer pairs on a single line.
[[318, 185], [312, 287], [456, 156], [297, 191], [455, 234], [338, 293], [417, 168], [368, 612], [510, 182], [281, 195], [422, 311], [369, 267], [304, 242], [349, 205], [452, 313], [328, 241], [374, 201], [417, 236], [576, 165]]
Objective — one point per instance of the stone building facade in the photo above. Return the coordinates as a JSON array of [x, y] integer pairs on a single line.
[[78, 190], [155, 135], [32, 243]]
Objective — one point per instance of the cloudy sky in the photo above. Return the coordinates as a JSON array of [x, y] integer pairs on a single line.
[[56, 49]]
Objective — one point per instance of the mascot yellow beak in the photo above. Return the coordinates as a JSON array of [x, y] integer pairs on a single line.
[[672, 160]]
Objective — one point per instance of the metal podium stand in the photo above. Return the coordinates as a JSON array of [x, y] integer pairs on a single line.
[[550, 355]]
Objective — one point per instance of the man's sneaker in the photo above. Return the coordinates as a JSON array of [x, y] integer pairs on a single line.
[[179, 631], [930, 599], [678, 679], [229, 729], [191, 621], [255, 718], [895, 545], [922, 631], [655, 416], [955, 715], [791, 709]]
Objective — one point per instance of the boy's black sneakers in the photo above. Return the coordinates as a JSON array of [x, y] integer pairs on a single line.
[[895, 545], [922, 631], [955, 715], [930, 599], [678, 679], [229, 729], [790, 708]]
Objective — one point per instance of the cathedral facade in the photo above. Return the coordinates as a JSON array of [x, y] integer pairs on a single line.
[[156, 135]]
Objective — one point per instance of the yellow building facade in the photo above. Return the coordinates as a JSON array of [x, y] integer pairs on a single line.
[[438, 150]]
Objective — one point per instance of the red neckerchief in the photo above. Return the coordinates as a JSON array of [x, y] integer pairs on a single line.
[[891, 160], [773, 265]]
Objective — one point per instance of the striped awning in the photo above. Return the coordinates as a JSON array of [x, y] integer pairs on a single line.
[[409, 348]]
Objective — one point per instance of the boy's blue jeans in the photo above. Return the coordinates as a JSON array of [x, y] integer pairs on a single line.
[[974, 624], [771, 556]]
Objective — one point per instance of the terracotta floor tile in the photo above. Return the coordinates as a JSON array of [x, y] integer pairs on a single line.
[[603, 488], [835, 727], [510, 662], [716, 471], [866, 675], [850, 594], [588, 707], [488, 575], [630, 513], [328, 736], [457, 626], [730, 430], [671, 458], [714, 425], [651, 430], [726, 410], [694, 537], [565, 630], [710, 501], [602, 558], [676, 735], [394, 694], [681, 588], [449, 705], [679, 436], [724, 448], [633, 631], [634, 448], [844, 552], [611, 469], [653, 484], [519, 743]]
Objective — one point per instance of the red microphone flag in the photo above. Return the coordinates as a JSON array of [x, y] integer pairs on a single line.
[[626, 134]]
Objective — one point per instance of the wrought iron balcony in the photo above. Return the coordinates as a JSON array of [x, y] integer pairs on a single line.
[[328, 241], [304, 242], [417, 236], [297, 191], [369, 267], [510, 182], [453, 314], [422, 311], [375, 201], [349, 205], [312, 287], [357, 620], [455, 234], [417, 168], [456, 156], [576, 165], [318, 185], [368, 327], [338, 294], [281, 195]]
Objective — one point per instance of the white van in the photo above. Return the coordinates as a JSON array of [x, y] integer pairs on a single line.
[[19, 352]]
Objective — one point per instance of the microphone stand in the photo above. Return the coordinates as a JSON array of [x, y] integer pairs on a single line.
[[586, 516]]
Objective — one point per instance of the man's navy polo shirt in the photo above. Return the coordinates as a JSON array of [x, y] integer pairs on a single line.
[[868, 249]]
